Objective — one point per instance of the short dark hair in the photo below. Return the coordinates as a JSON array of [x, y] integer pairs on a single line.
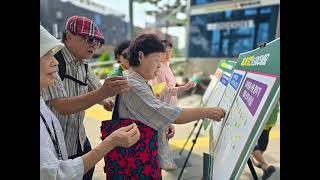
[[147, 43], [120, 47], [64, 36], [166, 43]]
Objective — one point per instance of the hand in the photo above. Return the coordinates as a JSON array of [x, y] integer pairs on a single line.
[[108, 104], [157, 95], [215, 113], [170, 131], [190, 85], [115, 85], [125, 136]]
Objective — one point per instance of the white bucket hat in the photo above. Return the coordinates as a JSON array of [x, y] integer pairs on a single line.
[[48, 42]]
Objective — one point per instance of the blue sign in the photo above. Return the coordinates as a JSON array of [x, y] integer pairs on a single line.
[[235, 80], [224, 80]]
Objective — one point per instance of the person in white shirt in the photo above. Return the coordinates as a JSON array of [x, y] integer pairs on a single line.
[[54, 162]]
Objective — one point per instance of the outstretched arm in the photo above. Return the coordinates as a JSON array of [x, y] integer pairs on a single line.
[[193, 114], [70, 105], [123, 137]]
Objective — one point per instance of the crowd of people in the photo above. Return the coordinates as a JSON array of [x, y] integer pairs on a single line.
[[68, 87]]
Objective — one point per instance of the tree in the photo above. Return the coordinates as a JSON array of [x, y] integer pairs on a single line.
[[104, 57], [166, 15]]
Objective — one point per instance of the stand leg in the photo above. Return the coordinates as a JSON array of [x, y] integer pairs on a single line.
[[195, 125], [252, 170], [194, 142]]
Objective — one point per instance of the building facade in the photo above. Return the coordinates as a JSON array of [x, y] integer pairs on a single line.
[[222, 29], [55, 13]]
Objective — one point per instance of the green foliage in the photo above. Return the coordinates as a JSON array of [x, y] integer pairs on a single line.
[[154, 2], [167, 12], [104, 57], [175, 52], [102, 73]]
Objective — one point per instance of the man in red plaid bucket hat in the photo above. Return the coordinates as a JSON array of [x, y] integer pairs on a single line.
[[77, 88], [84, 27], [87, 31]]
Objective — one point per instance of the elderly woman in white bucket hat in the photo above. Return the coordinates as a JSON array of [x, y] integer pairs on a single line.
[[54, 162]]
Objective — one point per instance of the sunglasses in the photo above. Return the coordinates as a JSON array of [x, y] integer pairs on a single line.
[[125, 55], [92, 41], [89, 40]]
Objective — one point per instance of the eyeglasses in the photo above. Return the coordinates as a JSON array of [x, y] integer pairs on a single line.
[[125, 55], [92, 41]]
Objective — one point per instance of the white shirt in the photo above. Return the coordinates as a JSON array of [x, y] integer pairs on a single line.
[[72, 124], [50, 166]]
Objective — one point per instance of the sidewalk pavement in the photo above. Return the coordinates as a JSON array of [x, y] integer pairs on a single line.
[[194, 169]]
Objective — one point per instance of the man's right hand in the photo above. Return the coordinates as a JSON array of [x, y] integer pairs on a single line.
[[125, 136], [115, 85]]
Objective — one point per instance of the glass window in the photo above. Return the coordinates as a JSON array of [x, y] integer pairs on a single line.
[[262, 33], [229, 33], [199, 2], [250, 12], [244, 43], [265, 10], [215, 42]]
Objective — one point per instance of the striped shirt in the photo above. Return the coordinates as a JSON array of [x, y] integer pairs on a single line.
[[169, 95], [140, 104], [72, 124]]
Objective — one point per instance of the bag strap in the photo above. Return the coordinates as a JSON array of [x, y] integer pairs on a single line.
[[115, 114], [62, 64], [76, 80], [62, 69]]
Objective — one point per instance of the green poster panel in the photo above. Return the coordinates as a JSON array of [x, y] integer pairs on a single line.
[[227, 65], [256, 96], [226, 102], [215, 90], [216, 95], [223, 66]]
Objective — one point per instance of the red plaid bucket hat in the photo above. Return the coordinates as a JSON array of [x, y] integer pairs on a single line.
[[83, 26]]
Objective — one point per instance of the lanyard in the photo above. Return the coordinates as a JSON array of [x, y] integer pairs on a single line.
[[54, 140]]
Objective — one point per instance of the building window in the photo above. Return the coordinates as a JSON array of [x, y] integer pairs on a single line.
[[229, 33], [200, 2]]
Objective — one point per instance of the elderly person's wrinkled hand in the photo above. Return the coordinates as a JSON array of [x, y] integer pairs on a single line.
[[189, 85], [215, 113], [115, 85], [125, 136], [108, 104], [170, 131]]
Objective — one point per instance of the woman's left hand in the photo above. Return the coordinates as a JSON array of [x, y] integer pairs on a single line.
[[170, 131], [108, 104], [190, 85]]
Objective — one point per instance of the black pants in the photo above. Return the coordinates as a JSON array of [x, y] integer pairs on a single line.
[[86, 148], [263, 141]]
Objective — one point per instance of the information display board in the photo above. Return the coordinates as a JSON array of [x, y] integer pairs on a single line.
[[249, 99]]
